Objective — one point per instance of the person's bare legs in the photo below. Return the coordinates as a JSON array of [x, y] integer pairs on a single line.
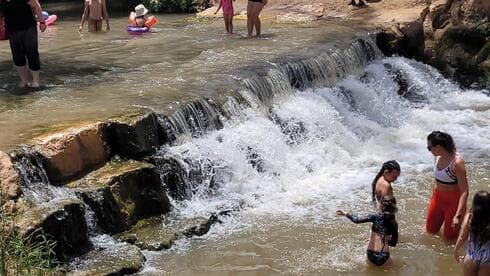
[[230, 22], [94, 25], [250, 18], [258, 9], [35, 78], [225, 19], [24, 75]]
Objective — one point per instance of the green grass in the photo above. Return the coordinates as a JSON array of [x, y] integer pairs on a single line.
[[31, 255]]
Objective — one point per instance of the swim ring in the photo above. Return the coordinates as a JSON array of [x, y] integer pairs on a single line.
[[50, 19], [136, 30]]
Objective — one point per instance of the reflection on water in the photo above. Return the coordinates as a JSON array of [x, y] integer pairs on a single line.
[[93, 76]]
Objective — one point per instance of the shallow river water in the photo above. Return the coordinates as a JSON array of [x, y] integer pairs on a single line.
[[286, 224]]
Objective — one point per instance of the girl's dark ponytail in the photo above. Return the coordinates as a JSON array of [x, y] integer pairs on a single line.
[[388, 165]]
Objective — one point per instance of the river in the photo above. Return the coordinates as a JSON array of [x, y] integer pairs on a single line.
[[323, 156]]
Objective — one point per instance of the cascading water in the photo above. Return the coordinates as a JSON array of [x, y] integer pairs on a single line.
[[292, 162], [35, 182]]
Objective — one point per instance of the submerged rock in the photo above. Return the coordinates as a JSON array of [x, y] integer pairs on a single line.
[[120, 193], [114, 259], [160, 233], [150, 234]]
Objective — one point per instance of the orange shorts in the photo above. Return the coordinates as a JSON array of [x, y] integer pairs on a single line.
[[442, 208]]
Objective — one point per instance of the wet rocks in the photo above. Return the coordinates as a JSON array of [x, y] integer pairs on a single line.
[[71, 152], [450, 35], [121, 193], [10, 188], [112, 259], [61, 221], [174, 177], [460, 52], [150, 234], [134, 135], [160, 233]]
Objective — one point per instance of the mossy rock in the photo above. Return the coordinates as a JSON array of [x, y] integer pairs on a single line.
[[150, 234], [160, 233], [62, 221], [121, 193], [115, 259], [133, 136], [472, 39]]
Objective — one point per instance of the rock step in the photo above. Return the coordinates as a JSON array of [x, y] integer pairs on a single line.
[[122, 192]]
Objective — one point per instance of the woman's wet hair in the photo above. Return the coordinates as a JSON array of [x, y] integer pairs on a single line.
[[439, 138], [391, 165], [480, 218]]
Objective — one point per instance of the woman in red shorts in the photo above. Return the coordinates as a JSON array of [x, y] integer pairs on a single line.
[[450, 186]]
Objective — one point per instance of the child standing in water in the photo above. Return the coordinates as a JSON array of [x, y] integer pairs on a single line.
[[384, 232], [476, 226], [94, 12], [228, 12]]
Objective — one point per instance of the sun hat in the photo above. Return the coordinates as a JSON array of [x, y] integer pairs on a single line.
[[140, 10]]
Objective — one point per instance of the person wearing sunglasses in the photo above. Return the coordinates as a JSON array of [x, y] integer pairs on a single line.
[[450, 186]]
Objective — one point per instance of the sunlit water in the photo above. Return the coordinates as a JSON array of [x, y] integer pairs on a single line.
[[89, 77], [286, 223]]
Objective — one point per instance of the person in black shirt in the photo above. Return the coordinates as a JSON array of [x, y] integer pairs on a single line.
[[22, 33]]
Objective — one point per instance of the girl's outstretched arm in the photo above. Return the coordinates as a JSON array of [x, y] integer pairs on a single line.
[[463, 237], [354, 218], [86, 9], [105, 15], [219, 8]]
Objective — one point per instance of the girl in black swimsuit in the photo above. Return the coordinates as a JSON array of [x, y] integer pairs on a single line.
[[384, 232]]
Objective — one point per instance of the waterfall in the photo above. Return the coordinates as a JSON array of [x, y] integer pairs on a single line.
[[291, 159], [324, 69], [35, 183], [192, 119]]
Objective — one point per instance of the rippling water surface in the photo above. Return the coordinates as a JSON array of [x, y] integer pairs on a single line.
[[286, 223], [94, 76]]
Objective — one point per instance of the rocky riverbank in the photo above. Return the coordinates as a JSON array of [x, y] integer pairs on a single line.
[[451, 35]]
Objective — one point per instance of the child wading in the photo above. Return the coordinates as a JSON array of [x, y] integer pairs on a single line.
[[228, 12], [476, 226], [384, 232], [94, 12]]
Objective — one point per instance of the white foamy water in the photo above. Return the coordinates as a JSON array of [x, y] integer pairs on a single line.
[[295, 187]]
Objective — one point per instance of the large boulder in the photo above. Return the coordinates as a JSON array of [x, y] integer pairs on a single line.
[[62, 221], [10, 184], [134, 135], [120, 193], [460, 53], [74, 151]]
